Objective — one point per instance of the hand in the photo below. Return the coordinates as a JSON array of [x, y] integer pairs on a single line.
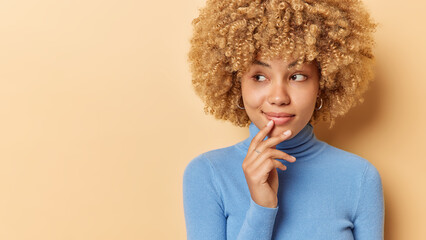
[[260, 165]]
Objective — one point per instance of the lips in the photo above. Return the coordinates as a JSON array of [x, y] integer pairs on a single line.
[[279, 118], [277, 115]]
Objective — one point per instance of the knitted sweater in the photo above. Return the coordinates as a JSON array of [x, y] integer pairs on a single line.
[[326, 194]]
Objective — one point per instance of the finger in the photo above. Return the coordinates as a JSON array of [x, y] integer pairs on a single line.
[[260, 158], [273, 141], [261, 135], [280, 165], [283, 155], [268, 166], [269, 154], [260, 175]]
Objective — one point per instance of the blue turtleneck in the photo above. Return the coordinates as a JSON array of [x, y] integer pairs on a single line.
[[327, 193]]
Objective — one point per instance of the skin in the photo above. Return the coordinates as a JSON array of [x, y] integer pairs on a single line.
[[275, 86]]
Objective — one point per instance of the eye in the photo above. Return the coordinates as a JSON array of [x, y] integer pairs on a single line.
[[259, 78], [298, 77]]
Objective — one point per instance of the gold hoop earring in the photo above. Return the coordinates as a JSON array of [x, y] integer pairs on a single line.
[[319, 106], [239, 105]]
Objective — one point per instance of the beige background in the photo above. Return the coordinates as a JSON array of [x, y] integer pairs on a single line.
[[98, 118]]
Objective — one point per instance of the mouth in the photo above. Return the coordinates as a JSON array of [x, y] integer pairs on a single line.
[[279, 118]]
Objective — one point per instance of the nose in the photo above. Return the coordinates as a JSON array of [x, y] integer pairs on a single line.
[[278, 95]]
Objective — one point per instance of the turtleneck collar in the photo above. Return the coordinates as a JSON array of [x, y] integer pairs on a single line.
[[303, 144]]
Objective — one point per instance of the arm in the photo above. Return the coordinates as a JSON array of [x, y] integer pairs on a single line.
[[259, 222], [369, 213], [203, 207], [204, 210]]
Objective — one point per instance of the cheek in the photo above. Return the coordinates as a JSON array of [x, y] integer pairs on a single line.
[[305, 102], [253, 98], [308, 94]]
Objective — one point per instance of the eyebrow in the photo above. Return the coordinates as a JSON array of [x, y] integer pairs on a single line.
[[269, 66]]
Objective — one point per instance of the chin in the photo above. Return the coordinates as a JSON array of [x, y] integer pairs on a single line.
[[295, 129], [278, 130]]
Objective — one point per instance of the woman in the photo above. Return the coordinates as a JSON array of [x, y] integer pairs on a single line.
[[279, 66]]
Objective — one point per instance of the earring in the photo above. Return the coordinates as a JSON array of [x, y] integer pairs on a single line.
[[319, 106], [239, 105]]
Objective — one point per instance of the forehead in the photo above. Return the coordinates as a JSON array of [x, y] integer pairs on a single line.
[[289, 59], [291, 63]]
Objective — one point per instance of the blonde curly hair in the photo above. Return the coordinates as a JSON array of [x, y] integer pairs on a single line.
[[230, 34]]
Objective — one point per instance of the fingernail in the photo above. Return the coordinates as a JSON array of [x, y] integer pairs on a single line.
[[286, 133], [292, 157], [269, 123]]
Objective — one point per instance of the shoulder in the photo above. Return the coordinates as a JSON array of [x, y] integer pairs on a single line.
[[344, 157], [211, 161], [351, 162], [220, 156]]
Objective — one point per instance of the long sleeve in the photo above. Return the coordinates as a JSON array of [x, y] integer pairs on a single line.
[[259, 222], [203, 207], [369, 214], [204, 210]]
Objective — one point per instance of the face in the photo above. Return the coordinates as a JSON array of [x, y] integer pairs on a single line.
[[276, 90]]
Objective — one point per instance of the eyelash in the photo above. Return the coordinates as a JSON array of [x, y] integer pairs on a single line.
[[255, 77]]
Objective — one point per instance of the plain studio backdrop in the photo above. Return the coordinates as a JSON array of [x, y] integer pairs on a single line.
[[98, 118]]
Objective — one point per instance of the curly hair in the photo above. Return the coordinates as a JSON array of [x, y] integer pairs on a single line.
[[229, 35]]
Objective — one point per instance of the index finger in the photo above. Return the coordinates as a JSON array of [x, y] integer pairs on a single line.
[[261, 135]]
